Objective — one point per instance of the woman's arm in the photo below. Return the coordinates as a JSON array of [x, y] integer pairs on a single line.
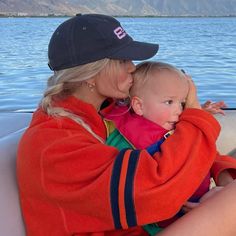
[[214, 217]]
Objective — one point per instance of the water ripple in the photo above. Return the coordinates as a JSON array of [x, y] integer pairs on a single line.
[[204, 47]]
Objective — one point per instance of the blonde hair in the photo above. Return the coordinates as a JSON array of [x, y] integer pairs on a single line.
[[64, 83], [145, 70]]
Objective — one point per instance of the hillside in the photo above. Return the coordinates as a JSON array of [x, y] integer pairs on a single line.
[[120, 7]]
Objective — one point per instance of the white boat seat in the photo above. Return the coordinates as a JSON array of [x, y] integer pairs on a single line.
[[11, 221]]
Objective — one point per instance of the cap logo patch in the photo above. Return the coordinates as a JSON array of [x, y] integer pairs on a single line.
[[120, 32]]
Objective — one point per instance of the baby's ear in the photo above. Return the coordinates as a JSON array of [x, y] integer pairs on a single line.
[[137, 105]]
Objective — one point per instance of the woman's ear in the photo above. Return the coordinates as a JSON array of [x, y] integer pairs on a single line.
[[137, 105], [91, 82]]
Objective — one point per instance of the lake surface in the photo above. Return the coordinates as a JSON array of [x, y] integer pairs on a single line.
[[203, 47]]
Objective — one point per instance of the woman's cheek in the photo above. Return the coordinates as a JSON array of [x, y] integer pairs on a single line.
[[124, 87]]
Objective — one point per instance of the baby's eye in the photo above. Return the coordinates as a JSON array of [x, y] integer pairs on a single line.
[[122, 61], [168, 102]]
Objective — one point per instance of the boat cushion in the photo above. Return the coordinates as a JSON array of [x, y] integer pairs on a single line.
[[12, 127]]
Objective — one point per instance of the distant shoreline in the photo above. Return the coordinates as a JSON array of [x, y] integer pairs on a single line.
[[24, 15]]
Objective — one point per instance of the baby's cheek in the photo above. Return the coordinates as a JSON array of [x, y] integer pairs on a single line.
[[165, 115]]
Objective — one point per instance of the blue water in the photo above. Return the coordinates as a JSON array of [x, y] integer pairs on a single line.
[[204, 47]]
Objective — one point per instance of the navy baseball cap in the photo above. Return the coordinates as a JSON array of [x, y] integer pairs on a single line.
[[87, 38]]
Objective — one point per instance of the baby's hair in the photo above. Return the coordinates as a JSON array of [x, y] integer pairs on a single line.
[[145, 70], [64, 83]]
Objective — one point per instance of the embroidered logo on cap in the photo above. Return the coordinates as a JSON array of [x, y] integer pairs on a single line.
[[120, 32]]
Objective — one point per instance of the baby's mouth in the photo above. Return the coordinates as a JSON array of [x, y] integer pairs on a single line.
[[172, 123]]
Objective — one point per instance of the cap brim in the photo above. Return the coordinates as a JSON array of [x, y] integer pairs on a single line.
[[135, 50]]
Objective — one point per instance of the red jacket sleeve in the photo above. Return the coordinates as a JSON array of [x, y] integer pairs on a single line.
[[221, 163]]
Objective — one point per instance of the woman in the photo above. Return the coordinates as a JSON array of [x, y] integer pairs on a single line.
[[70, 182]]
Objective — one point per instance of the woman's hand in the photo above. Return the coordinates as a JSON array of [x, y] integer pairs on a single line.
[[188, 206], [214, 107], [192, 99]]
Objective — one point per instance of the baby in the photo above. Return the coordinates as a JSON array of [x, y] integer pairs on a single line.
[[157, 100]]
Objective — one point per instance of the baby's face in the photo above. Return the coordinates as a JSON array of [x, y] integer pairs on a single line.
[[164, 97]]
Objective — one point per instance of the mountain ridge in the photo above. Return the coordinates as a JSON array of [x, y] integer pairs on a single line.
[[119, 7]]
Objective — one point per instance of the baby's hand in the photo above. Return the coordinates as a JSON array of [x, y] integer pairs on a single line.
[[214, 107], [188, 206], [224, 178]]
